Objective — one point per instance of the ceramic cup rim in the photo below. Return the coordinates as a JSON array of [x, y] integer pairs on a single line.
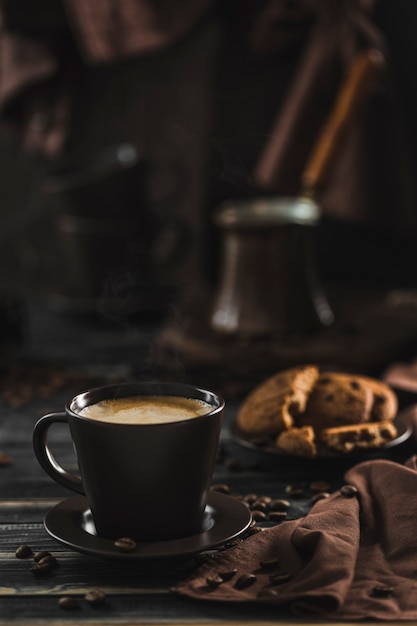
[[154, 388]]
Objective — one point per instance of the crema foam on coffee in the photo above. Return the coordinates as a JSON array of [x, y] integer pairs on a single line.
[[146, 410]]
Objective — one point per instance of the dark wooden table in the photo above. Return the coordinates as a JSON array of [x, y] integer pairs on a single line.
[[59, 357]]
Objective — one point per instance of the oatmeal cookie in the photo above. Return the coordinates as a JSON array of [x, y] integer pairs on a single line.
[[272, 406]]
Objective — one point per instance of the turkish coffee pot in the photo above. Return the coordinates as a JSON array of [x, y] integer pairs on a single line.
[[268, 282]]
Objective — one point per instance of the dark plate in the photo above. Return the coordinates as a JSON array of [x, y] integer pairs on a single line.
[[70, 522], [266, 446]]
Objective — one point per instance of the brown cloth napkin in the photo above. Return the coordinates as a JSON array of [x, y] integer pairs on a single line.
[[351, 557]]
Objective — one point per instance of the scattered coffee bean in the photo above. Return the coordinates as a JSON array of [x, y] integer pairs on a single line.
[[214, 580], [227, 574], [294, 492], [297, 493], [245, 581], [277, 516], [48, 560], [220, 488], [319, 496], [250, 498], [266, 499], [23, 552], [254, 530], [95, 597], [279, 505], [258, 516], [269, 563], [69, 603], [319, 485], [41, 569], [41, 555], [259, 505], [205, 557], [348, 491], [279, 579], [382, 591], [125, 544]]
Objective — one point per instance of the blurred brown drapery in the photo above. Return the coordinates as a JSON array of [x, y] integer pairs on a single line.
[[43, 44]]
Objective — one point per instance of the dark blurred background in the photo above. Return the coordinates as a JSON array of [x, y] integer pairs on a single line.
[[125, 125]]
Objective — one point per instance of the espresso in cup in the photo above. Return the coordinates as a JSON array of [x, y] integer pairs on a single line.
[[145, 453], [146, 410]]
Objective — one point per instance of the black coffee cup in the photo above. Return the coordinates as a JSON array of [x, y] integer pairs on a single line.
[[148, 482]]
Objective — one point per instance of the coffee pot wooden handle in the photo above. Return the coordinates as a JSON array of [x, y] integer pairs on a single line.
[[351, 97]]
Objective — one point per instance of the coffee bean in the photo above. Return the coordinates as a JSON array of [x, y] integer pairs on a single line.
[[279, 579], [348, 491], [266, 499], [277, 516], [95, 597], [23, 552], [254, 530], [269, 563], [382, 591], [259, 505], [294, 492], [205, 557], [259, 516], [40, 555], [68, 603], [40, 569], [125, 544], [232, 543], [221, 488], [279, 505], [297, 493], [214, 581], [319, 496], [48, 560], [250, 498], [227, 574], [245, 581]]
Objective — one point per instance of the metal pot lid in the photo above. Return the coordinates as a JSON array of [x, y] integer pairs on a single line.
[[268, 212]]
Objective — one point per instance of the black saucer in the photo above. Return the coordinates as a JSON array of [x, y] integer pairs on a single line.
[[70, 522]]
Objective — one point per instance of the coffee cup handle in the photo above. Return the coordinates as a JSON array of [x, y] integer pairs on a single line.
[[45, 457]]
